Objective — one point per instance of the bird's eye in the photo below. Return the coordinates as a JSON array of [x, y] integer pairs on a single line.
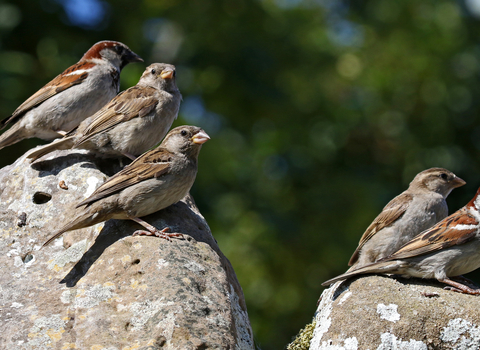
[[183, 133], [443, 176], [153, 71], [119, 49]]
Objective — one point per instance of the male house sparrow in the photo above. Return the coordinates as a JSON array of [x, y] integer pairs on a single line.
[[448, 249], [154, 181], [411, 212], [130, 124], [71, 96]]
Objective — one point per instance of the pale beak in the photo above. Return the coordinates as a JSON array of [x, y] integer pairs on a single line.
[[457, 182], [167, 73], [200, 137]]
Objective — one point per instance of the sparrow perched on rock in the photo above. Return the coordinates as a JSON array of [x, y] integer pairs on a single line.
[[72, 96], [133, 122], [448, 249], [154, 181], [419, 207]]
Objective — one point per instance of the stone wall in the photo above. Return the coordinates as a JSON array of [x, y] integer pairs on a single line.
[[101, 288], [386, 313]]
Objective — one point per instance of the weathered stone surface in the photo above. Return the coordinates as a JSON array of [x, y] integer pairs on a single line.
[[378, 312], [101, 288]]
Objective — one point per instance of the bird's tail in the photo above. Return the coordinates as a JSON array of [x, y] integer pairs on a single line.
[[64, 143], [392, 266], [85, 219], [11, 136]]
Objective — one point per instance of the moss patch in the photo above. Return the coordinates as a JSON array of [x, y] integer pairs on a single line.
[[302, 341]]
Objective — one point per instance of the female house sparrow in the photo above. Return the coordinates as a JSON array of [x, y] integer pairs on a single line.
[[154, 181], [71, 96], [133, 122], [413, 211], [448, 249]]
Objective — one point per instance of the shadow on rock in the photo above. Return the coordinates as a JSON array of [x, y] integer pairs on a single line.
[[179, 217], [61, 160]]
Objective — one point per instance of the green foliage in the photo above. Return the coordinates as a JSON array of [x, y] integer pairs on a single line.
[[320, 112]]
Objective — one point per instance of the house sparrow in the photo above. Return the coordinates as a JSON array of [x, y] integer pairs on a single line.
[[133, 122], [448, 249], [70, 97], [419, 207], [154, 181]]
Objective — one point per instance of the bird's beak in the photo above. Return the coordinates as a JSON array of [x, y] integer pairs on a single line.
[[167, 73], [132, 57], [458, 182], [200, 137]]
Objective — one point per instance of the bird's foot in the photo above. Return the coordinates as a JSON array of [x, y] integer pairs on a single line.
[[453, 289], [464, 280], [158, 233], [458, 287]]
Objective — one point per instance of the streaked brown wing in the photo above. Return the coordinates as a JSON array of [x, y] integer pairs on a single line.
[[392, 212], [60, 83], [131, 103], [152, 164], [444, 234]]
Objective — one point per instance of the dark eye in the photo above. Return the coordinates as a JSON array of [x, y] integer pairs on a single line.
[[443, 176], [119, 49], [183, 133], [153, 71]]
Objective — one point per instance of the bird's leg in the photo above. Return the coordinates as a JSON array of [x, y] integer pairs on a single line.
[[465, 280], [128, 155], [153, 231], [458, 287]]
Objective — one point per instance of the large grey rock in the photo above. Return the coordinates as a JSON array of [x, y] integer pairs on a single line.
[[101, 288], [382, 313]]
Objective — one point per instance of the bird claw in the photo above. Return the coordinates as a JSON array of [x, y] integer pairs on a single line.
[[158, 233], [453, 289], [464, 280], [461, 288]]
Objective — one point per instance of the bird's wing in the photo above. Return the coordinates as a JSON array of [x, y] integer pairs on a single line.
[[131, 103], [152, 164], [456, 229], [392, 212], [60, 83]]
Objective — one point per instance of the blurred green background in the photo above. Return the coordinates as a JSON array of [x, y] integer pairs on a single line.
[[320, 112]]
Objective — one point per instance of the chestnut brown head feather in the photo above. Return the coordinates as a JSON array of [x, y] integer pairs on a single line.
[[94, 51], [112, 50]]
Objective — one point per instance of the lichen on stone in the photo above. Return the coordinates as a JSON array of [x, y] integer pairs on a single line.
[[388, 312], [462, 333], [390, 341], [72, 254]]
